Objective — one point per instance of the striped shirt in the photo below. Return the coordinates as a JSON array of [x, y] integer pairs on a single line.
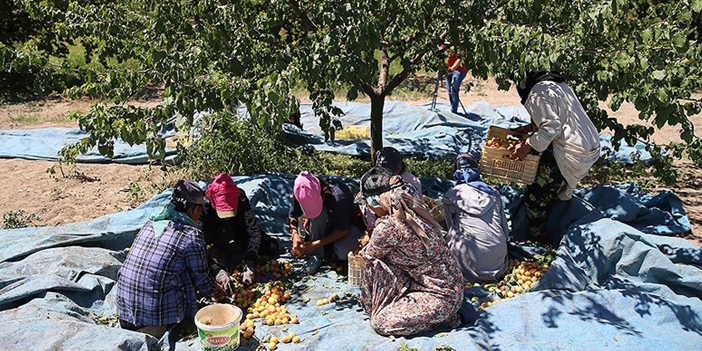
[[157, 281]]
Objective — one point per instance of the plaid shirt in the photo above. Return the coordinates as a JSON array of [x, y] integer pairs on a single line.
[[157, 281]]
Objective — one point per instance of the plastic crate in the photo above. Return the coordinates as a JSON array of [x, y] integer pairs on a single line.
[[496, 162], [356, 266]]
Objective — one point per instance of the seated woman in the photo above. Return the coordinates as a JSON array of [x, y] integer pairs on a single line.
[[165, 267], [229, 218], [478, 230], [411, 282], [390, 158], [334, 220]]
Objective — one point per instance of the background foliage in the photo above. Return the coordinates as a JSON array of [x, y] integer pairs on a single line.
[[220, 55], [29, 37], [238, 147]]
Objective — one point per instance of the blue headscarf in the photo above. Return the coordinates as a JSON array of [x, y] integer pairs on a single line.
[[467, 172]]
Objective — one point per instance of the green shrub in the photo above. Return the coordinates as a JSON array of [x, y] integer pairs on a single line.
[[18, 219], [433, 168], [611, 171], [239, 147]]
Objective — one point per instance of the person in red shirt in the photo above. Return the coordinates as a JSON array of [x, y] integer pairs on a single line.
[[457, 71]]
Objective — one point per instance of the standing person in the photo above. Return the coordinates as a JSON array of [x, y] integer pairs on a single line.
[[334, 220], [565, 136], [166, 265], [411, 283], [229, 218], [457, 71], [478, 230]]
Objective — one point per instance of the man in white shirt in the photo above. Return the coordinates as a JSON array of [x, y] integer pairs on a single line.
[[565, 136]]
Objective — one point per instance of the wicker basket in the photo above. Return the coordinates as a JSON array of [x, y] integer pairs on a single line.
[[356, 265], [496, 162]]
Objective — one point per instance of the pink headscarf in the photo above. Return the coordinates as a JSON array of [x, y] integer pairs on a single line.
[[308, 192], [224, 195]]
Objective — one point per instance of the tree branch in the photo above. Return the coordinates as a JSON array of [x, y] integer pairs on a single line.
[[367, 88], [409, 40], [384, 70], [296, 5], [274, 42], [497, 7], [396, 80], [609, 51]]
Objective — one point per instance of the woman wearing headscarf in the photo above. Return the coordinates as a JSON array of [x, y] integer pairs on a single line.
[[478, 230], [166, 266], [333, 224], [390, 158], [411, 282], [565, 136], [228, 219]]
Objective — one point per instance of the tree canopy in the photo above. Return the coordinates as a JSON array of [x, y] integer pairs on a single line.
[[218, 54], [29, 36]]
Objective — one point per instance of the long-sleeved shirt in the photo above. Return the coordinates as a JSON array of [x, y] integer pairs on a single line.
[[157, 282], [478, 232], [242, 228], [344, 212], [561, 120]]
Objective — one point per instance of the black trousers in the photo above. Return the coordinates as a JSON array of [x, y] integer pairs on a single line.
[[542, 194]]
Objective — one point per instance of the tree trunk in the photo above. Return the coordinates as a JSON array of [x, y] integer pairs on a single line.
[[376, 127]]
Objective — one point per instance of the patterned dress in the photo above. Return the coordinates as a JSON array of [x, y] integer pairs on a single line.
[[409, 286]]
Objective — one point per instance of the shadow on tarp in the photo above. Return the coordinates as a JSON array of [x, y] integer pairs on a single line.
[[412, 129], [612, 256], [616, 285]]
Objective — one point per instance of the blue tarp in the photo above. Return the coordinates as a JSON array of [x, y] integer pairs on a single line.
[[412, 129], [417, 131], [611, 285], [45, 144]]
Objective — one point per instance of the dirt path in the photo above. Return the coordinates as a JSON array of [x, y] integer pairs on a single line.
[[26, 185], [90, 191]]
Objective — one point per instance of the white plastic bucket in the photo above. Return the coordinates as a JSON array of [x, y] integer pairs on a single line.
[[218, 327]]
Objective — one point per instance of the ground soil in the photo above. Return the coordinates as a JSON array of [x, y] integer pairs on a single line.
[[93, 190]]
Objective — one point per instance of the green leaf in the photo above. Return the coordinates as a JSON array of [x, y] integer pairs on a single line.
[[697, 5], [679, 40], [662, 95], [659, 75], [441, 335], [644, 63], [647, 35]]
